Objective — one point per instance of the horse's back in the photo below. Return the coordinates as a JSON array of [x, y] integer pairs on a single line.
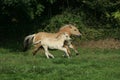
[[42, 35]]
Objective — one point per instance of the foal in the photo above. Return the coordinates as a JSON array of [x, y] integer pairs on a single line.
[[54, 43]]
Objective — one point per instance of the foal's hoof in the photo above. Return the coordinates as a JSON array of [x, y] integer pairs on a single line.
[[64, 56], [52, 57]]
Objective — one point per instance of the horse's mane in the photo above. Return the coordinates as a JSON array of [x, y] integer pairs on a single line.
[[65, 26]]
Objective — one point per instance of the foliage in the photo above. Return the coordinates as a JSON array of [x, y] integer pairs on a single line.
[[66, 17], [27, 9], [116, 15], [97, 17]]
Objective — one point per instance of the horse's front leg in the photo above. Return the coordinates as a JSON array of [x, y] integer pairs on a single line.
[[74, 48], [36, 48]]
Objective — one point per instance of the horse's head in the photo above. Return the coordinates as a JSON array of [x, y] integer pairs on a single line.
[[71, 30]]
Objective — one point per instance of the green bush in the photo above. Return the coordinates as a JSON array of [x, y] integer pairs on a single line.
[[95, 31], [96, 19], [92, 34], [66, 17]]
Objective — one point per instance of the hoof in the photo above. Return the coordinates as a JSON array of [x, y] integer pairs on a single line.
[[34, 54], [77, 53]]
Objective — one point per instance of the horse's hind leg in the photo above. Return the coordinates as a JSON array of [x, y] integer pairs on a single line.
[[37, 47]]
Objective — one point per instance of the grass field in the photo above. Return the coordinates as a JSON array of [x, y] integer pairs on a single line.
[[91, 64]]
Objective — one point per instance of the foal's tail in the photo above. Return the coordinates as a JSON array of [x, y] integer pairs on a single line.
[[27, 41]]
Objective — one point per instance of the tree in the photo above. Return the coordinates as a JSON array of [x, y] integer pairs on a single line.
[[20, 10]]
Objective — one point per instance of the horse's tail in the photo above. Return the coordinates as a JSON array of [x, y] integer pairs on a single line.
[[37, 42], [27, 41]]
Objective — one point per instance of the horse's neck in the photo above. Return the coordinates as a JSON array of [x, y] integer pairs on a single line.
[[64, 31]]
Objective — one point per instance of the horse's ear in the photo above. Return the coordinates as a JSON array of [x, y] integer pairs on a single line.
[[74, 24], [70, 26]]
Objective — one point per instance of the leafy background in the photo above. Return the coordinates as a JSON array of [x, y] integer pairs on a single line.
[[96, 19]]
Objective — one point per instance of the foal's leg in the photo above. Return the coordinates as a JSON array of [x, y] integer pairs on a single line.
[[68, 50], [36, 48], [65, 50], [50, 55], [47, 53], [70, 45]]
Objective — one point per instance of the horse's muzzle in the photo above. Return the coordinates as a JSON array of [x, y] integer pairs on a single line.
[[79, 35]]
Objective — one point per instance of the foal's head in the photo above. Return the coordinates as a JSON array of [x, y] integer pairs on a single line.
[[64, 36], [71, 30]]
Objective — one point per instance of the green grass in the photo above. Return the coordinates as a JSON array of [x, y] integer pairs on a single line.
[[91, 64]]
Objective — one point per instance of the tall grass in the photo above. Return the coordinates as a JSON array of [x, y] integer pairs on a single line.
[[91, 64]]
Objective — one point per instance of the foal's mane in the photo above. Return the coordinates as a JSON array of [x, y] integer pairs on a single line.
[[59, 36]]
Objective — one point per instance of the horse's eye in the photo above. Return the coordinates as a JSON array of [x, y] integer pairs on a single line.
[[75, 29]]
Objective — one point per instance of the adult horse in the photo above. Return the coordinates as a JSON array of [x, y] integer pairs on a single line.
[[69, 29]]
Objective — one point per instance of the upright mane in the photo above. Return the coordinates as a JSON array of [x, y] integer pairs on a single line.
[[70, 29], [65, 26]]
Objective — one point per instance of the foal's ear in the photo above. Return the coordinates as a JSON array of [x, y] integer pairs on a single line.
[[64, 33], [58, 35]]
